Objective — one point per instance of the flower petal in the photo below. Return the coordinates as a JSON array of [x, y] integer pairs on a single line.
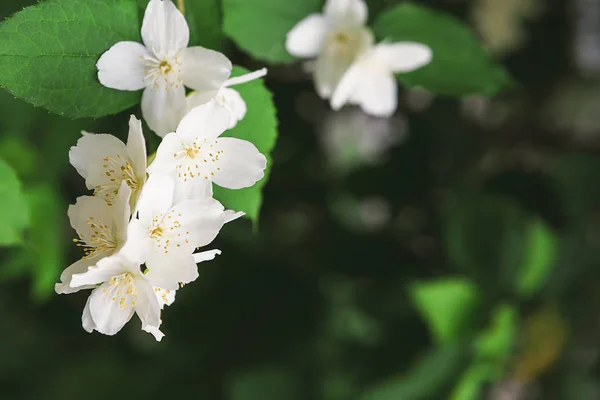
[[136, 147], [122, 66], [241, 164], [346, 12], [147, 307], [78, 267], [203, 69], [156, 198], [88, 155], [168, 270], [306, 38], [206, 255], [234, 103], [404, 56], [169, 154], [106, 312], [206, 121], [231, 215], [86, 318], [85, 211], [121, 212], [164, 29], [165, 297], [163, 108], [201, 220], [104, 269]]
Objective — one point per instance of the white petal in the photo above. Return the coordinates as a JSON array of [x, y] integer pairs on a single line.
[[231, 215], [195, 99], [241, 164], [206, 255], [328, 72], [138, 244], [122, 66], [348, 87], [158, 335], [203, 69], [404, 57], [249, 77], [164, 29], [121, 212], [346, 12], [86, 318], [88, 155], [106, 312], [165, 297], [163, 108], [306, 38], [206, 121], [233, 102], [105, 269], [156, 198], [136, 147], [85, 211], [201, 220], [378, 95], [193, 189], [78, 267], [169, 154], [168, 270], [147, 307]]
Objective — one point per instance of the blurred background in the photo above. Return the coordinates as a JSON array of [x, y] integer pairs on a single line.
[[449, 252]]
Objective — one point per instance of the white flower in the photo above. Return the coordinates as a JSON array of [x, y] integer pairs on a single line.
[[195, 155], [102, 230], [123, 291], [335, 38], [162, 66], [370, 81], [104, 161], [228, 98], [165, 234]]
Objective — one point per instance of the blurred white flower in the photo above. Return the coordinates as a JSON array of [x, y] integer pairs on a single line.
[[227, 97], [335, 38], [351, 138], [162, 66], [370, 81], [195, 156], [102, 230], [104, 161]]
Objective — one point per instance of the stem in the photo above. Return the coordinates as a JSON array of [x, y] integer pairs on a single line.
[[181, 6]]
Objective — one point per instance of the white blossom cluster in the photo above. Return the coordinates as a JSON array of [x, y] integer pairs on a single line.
[[349, 68], [142, 227]]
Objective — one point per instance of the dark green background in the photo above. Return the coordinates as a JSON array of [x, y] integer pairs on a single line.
[[315, 305]]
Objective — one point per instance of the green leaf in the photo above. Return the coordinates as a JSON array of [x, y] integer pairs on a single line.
[[259, 126], [429, 375], [204, 19], [48, 54], [19, 154], [539, 259], [45, 245], [460, 64], [260, 26], [447, 306], [492, 351], [14, 216]]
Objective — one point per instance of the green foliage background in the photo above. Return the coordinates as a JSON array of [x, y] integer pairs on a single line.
[[482, 278]]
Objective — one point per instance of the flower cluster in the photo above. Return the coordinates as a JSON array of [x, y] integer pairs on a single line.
[[142, 227], [349, 67]]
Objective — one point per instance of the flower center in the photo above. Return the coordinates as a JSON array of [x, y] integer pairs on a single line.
[[341, 38], [116, 171], [156, 232], [101, 241], [200, 160], [163, 73], [122, 289], [164, 67]]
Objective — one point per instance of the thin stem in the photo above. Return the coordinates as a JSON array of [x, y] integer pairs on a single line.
[[181, 6]]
